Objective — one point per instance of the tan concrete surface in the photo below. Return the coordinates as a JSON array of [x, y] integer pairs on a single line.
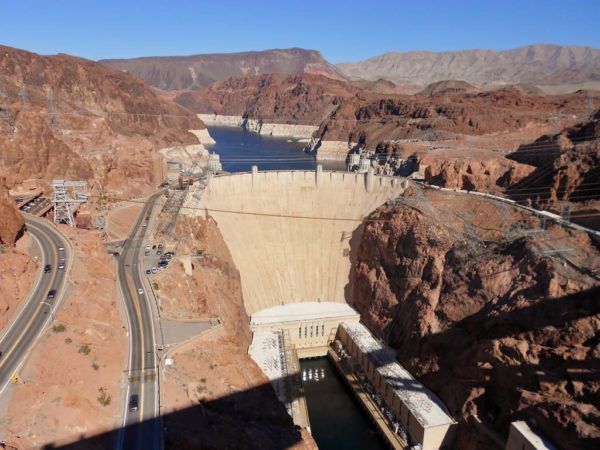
[[289, 232]]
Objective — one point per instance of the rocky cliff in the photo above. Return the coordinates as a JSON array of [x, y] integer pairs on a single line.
[[557, 68], [485, 317], [11, 221], [67, 117], [372, 118], [305, 99], [567, 171], [197, 71], [567, 165]]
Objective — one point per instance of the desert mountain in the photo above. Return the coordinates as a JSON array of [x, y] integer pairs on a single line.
[[370, 118], [556, 68], [298, 98], [197, 71], [67, 117]]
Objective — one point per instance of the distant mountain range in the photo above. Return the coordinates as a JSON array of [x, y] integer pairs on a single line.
[[551, 67], [196, 71]]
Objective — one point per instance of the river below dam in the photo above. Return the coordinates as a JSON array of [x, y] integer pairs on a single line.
[[239, 150], [336, 419]]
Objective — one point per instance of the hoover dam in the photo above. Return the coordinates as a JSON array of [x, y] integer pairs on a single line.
[[293, 236], [291, 233]]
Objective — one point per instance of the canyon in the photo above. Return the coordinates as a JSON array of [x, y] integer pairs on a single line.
[[479, 300]]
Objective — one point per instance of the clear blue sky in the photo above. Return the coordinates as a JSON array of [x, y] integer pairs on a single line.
[[342, 30]]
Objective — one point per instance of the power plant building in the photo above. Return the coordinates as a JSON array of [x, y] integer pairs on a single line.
[[421, 413]]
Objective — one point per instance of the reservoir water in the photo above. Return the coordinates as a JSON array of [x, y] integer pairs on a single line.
[[336, 420], [239, 150]]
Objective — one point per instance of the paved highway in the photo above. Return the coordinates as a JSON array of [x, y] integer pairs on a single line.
[[142, 427], [38, 309]]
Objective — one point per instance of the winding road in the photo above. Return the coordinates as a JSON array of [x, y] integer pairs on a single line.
[[142, 427], [38, 310]]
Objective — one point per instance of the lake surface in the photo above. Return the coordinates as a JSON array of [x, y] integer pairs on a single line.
[[239, 150], [336, 420]]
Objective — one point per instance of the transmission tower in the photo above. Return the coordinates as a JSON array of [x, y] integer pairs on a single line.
[[68, 195]]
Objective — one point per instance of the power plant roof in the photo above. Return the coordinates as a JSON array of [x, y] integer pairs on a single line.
[[422, 403]]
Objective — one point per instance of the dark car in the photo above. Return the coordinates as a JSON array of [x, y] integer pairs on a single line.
[[134, 401], [47, 268], [51, 294], [148, 271]]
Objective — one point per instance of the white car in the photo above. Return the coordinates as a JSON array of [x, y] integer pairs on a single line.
[[140, 291], [60, 248]]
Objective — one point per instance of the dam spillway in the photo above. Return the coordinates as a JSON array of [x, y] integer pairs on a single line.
[[291, 233]]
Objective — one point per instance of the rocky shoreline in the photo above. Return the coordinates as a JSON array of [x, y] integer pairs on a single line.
[[282, 130]]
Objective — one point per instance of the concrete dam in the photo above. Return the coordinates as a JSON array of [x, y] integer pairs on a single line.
[[292, 236], [290, 233]]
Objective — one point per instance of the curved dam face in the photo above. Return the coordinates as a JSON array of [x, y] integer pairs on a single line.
[[290, 232]]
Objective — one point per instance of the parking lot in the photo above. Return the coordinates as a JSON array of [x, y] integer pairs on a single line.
[[156, 258]]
